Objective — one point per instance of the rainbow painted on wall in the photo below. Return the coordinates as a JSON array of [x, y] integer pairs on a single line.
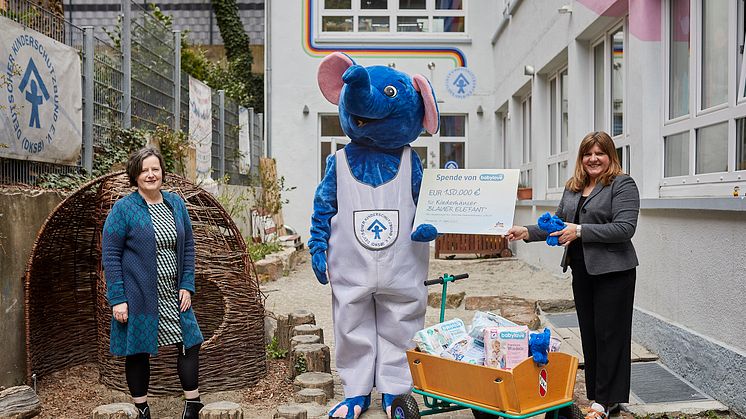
[[314, 50]]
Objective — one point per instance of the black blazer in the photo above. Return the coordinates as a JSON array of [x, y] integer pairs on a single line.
[[609, 219]]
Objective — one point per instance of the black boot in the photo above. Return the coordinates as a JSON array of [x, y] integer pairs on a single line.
[[191, 409], [143, 413]]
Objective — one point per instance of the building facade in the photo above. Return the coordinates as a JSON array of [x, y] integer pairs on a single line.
[[665, 78], [194, 16]]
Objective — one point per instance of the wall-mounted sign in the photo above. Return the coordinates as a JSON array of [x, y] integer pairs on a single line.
[[41, 104], [461, 82]]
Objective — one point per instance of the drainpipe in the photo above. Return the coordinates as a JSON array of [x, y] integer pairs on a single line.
[[267, 78]]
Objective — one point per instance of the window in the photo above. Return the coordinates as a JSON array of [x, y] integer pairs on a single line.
[[608, 92], [558, 115], [599, 122], [526, 129], [678, 68], [526, 166], [704, 144], [712, 151], [609, 76], [332, 138], [617, 82], [452, 139], [741, 144], [392, 16], [714, 53], [676, 155], [446, 148]]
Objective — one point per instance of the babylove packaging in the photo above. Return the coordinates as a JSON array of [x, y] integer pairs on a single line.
[[505, 346]]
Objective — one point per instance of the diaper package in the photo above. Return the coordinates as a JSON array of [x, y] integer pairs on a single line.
[[440, 337], [554, 344], [465, 350], [505, 346], [483, 319]]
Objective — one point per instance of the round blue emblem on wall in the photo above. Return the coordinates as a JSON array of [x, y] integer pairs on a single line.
[[450, 164], [460, 82]]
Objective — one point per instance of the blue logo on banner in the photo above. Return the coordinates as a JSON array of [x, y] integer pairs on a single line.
[[38, 91], [450, 164], [32, 94], [461, 82]]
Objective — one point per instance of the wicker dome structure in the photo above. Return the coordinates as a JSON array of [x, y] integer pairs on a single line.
[[68, 317]]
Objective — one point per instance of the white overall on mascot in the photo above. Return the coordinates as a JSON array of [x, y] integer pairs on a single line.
[[362, 225]]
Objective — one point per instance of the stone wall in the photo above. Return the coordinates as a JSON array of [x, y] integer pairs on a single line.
[[21, 215]]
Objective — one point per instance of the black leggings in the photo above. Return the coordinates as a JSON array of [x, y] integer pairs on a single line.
[[137, 370]]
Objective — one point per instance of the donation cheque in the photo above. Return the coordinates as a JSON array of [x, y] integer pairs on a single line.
[[468, 201]]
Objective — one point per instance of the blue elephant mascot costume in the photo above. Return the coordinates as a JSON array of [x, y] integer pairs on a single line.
[[362, 227]]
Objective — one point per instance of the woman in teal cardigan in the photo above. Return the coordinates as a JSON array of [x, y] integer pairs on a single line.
[[148, 259]]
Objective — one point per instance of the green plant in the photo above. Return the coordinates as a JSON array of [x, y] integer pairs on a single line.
[[258, 251], [113, 155], [174, 146], [274, 351], [270, 200], [301, 365]]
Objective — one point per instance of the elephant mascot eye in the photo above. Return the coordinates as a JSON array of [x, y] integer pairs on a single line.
[[389, 91]]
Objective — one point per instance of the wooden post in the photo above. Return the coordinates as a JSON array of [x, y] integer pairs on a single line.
[[115, 411], [311, 395], [303, 340], [286, 323], [312, 357], [291, 411], [19, 402], [321, 380], [221, 410], [309, 329]]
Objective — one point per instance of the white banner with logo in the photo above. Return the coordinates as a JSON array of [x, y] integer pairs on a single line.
[[41, 104], [200, 126], [244, 141]]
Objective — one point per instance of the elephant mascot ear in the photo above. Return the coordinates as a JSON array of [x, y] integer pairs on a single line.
[[431, 120], [331, 69]]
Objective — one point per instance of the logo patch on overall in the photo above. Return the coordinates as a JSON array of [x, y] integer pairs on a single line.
[[543, 383], [377, 229]]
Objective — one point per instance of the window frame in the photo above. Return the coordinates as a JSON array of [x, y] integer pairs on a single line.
[[332, 140], [560, 158], [527, 165], [393, 11], [433, 141], [620, 140], [694, 184]]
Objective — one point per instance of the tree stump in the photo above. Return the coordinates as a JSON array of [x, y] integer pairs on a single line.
[[313, 357], [115, 411], [291, 411], [286, 323], [303, 339], [320, 380], [309, 329], [19, 402], [221, 410], [311, 395]]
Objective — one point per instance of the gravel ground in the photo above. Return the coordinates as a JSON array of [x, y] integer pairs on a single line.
[[487, 277], [75, 392]]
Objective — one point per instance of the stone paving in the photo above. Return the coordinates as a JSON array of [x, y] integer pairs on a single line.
[[488, 277]]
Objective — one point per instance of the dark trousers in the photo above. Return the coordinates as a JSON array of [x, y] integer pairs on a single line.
[[604, 305], [137, 370]]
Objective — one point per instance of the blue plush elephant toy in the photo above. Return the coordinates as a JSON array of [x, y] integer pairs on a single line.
[[362, 227]]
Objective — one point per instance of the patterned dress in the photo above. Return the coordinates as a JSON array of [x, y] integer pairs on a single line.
[[169, 329]]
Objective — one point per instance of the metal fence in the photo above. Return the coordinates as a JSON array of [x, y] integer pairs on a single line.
[[131, 78]]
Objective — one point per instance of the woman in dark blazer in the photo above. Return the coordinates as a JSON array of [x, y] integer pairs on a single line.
[[600, 206], [148, 258]]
